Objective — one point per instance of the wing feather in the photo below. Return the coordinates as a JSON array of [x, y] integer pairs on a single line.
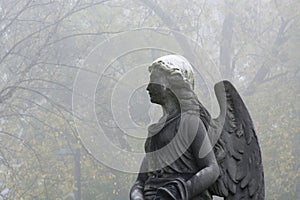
[[223, 189], [236, 149]]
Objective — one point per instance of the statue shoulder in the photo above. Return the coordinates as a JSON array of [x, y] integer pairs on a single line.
[[191, 119], [191, 126]]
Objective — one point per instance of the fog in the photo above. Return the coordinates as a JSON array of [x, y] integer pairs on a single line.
[[74, 109]]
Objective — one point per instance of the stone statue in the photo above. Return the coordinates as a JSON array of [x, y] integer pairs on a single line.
[[188, 154]]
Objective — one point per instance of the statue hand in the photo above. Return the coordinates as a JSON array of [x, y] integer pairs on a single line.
[[136, 192], [136, 196]]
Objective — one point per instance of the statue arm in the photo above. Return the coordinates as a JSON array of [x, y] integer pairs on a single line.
[[204, 178], [205, 158], [136, 192]]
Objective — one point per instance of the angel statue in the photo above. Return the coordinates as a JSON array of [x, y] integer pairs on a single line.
[[190, 156]]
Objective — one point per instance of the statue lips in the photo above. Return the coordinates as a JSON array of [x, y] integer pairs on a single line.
[[152, 96]]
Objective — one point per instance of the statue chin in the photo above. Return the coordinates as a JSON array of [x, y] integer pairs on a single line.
[[155, 100]]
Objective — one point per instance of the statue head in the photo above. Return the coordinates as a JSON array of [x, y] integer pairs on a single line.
[[175, 67], [168, 76], [172, 77]]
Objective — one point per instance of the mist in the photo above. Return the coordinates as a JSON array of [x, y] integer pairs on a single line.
[[74, 109]]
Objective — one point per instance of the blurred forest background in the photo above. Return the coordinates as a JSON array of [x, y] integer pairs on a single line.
[[254, 44]]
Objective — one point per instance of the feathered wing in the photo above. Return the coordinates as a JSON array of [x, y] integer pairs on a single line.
[[236, 148]]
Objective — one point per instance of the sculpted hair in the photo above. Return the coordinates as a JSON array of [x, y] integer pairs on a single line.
[[183, 90]]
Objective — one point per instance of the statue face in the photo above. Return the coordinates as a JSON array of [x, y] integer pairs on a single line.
[[157, 87]]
